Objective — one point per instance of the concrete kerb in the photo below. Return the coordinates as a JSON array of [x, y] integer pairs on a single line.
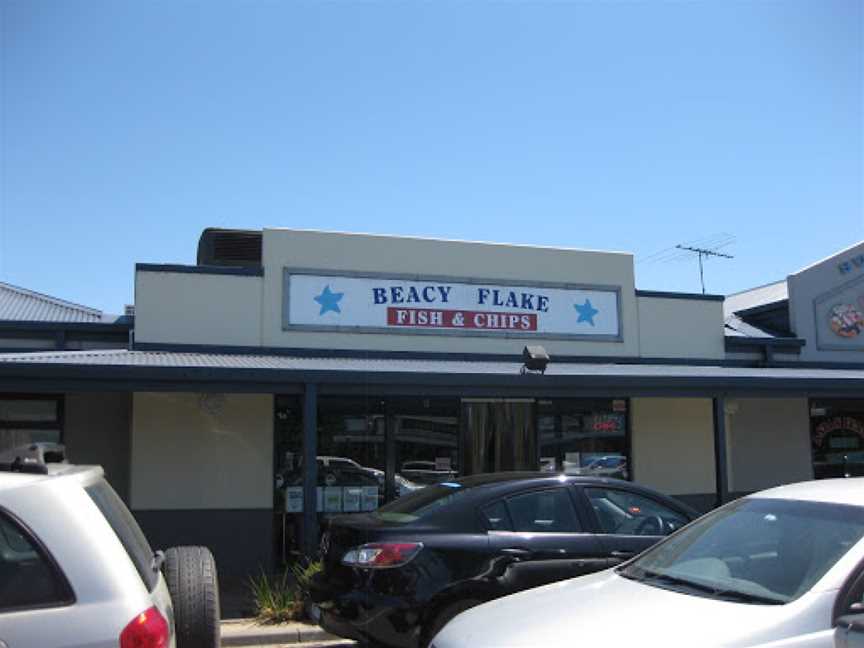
[[247, 632]]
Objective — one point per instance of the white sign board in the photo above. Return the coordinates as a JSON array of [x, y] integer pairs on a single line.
[[439, 306]]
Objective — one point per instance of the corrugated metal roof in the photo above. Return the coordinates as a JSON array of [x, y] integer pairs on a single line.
[[768, 294], [20, 304], [276, 363], [736, 327]]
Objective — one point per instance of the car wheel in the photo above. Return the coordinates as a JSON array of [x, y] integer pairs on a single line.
[[190, 573], [443, 618]]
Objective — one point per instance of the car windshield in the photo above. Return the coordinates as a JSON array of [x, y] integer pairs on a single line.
[[416, 504], [763, 551]]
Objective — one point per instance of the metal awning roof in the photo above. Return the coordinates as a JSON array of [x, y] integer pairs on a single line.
[[191, 371], [20, 304]]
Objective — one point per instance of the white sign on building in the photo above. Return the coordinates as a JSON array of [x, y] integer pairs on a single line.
[[436, 305]]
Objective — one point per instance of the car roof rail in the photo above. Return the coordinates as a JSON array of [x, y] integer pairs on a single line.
[[32, 458]]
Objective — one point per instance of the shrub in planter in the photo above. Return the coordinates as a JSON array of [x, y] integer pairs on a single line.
[[303, 572], [276, 598]]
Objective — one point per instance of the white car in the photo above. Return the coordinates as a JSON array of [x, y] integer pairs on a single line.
[[77, 572], [782, 568]]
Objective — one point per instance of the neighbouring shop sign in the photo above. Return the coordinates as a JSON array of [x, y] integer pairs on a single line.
[[840, 317], [851, 264], [438, 306], [837, 428]]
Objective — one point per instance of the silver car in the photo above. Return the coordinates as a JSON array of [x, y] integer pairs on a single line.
[[782, 568], [75, 568]]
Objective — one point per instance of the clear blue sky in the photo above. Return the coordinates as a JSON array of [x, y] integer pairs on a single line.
[[130, 127]]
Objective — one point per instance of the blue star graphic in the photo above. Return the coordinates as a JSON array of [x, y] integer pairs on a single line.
[[329, 300], [586, 312]]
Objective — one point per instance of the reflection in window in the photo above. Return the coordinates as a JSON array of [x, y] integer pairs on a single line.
[[350, 461], [427, 442], [29, 420], [584, 437], [351, 455]]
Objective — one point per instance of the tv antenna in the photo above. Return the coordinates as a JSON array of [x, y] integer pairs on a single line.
[[706, 253]]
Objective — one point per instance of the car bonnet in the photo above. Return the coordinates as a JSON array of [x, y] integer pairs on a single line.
[[595, 609]]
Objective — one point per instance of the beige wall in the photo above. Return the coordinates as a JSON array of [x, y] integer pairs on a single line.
[[813, 291], [97, 430], [183, 308], [430, 257], [672, 443], [769, 442], [680, 328], [194, 453]]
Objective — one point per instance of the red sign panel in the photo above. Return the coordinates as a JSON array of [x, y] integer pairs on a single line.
[[460, 319]]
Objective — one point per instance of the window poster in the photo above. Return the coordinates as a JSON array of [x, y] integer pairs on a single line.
[[351, 498], [294, 499], [369, 498], [332, 499]]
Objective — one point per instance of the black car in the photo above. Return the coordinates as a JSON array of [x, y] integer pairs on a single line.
[[396, 576]]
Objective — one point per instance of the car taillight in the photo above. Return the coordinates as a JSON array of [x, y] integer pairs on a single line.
[[382, 554], [147, 630]]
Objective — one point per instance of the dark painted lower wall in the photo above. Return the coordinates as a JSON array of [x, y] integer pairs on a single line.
[[241, 540]]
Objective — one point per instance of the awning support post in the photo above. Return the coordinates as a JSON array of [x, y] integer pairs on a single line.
[[310, 470], [720, 464]]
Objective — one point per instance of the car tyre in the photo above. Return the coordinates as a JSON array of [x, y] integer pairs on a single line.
[[444, 617], [190, 573]]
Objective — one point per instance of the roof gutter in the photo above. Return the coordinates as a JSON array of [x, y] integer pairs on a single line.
[[734, 343]]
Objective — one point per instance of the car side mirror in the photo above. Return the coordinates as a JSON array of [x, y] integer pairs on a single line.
[[849, 631]]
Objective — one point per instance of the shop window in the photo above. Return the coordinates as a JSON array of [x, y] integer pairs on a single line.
[[288, 444], [426, 437], [837, 438], [584, 437], [351, 455], [29, 419]]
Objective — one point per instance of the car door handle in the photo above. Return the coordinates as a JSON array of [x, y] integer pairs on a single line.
[[517, 553], [622, 555]]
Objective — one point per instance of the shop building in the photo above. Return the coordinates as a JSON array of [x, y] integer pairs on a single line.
[[294, 374]]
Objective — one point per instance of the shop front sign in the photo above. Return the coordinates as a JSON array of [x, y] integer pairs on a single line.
[[443, 306]]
